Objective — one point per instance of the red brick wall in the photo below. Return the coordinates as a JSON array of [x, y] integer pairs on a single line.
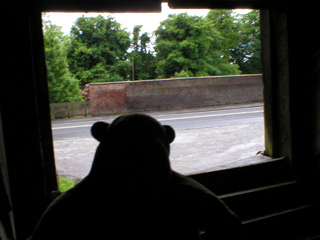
[[165, 94], [108, 98]]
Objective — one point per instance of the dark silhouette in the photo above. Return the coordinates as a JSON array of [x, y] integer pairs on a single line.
[[132, 193]]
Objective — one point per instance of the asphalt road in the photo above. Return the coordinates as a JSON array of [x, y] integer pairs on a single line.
[[206, 139], [183, 119]]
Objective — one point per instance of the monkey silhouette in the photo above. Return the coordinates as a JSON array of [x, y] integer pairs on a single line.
[[131, 192]]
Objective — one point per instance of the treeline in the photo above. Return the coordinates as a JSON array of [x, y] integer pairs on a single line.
[[99, 50]]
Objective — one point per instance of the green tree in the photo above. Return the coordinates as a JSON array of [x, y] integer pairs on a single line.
[[98, 50], [229, 27], [249, 48], [63, 87], [190, 44], [142, 59], [241, 44]]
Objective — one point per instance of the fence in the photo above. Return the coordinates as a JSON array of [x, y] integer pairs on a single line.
[[70, 109]]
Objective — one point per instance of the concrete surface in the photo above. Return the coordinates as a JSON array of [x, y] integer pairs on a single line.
[[193, 151]]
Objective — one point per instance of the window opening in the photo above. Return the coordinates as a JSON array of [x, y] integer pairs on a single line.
[[143, 47]]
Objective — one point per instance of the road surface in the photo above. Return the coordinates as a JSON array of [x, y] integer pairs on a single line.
[[205, 138], [186, 119]]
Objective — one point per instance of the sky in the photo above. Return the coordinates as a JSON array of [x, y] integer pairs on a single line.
[[150, 21]]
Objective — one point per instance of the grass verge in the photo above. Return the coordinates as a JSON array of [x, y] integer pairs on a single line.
[[65, 184]]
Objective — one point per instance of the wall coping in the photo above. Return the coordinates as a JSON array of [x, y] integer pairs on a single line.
[[175, 79]]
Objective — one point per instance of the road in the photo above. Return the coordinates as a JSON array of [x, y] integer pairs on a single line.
[[185, 119], [205, 139]]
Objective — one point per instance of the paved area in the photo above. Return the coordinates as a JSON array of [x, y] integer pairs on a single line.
[[193, 151]]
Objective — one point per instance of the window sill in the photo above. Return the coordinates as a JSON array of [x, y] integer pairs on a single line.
[[257, 159]]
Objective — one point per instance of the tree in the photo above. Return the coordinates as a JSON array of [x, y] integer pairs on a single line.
[[63, 87], [229, 27], [241, 33], [249, 49], [142, 59], [98, 50], [190, 44]]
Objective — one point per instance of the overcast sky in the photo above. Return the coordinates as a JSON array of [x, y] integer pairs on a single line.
[[150, 21]]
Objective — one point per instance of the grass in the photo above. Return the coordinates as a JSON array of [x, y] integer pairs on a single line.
[[65, 184]]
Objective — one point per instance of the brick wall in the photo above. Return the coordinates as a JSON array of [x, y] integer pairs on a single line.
[[165, 94]]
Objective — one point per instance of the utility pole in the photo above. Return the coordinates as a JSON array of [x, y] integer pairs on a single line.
[[133, 69]]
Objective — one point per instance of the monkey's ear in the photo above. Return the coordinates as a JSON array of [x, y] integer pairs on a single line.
[[170, 133], [99, 130]]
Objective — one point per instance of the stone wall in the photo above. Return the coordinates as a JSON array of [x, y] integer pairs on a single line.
[[170, 94]]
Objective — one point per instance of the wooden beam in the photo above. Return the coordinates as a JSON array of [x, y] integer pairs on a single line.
[[227, 4], [141, 6]]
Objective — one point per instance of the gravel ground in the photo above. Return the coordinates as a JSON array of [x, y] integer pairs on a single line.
[[193, 151]]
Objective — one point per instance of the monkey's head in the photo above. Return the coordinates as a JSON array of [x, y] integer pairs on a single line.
[[133, 152]]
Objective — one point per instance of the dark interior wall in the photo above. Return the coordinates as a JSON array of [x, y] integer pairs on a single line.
[[6, 229], [26, 129], [304, 62]]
